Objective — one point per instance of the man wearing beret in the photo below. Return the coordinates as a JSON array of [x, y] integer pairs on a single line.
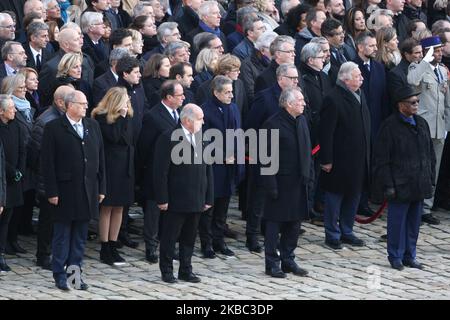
[[430, 77], [404, 174]]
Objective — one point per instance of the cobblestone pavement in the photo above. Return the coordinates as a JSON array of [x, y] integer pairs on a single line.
[[351, 273]]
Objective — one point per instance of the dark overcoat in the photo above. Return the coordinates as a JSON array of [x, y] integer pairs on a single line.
[[404, 159], [186, 187], [119, 160], [344, 137], [73, 168], [289, 183]]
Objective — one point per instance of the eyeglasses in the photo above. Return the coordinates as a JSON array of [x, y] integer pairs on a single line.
[[412, 102], [11, 26], [287, 51], [178, 95], [292, 78], [21, 53], [82, 103], [218, 47], [319, 57]]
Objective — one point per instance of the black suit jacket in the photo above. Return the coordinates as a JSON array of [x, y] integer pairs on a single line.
[[73, 168], [155, 122], [102, 84], [97, 53], [46, 56], [186, 187], [396, 79], [3, 73]]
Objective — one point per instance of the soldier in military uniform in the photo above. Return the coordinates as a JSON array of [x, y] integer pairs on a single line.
[[430, 77]]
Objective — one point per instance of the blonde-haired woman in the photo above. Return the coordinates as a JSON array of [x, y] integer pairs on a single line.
[[205, 65], [114, 113], [69, 73], [387, 44]]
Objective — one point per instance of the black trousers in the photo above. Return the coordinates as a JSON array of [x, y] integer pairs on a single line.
[[22, 215], [45, 228], [5, 219], [151, 224], [255, 209], [175, 226], [288, 242], [213, 223]]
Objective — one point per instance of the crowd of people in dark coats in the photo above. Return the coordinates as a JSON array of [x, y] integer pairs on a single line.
[[93, 92]]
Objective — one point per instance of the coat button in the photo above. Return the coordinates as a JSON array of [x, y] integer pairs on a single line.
[[85, 159], [82, 143]]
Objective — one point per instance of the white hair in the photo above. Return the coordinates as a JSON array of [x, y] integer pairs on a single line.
[[89, 18], [206, 7], [345, 72]]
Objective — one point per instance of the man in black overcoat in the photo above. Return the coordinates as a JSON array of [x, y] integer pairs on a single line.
[[404, 174], [72, 164], [184, 189], [344, 137], [160, 118], [286, 197]]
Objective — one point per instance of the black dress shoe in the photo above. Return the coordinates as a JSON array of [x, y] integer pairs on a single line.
[[295, 269], [168, 277], [126, 240], [253, 246], [428, 218], [413, 264], [334, 244], [3, 266], [83, 286], [189, 278], [397, 265], [17, 248], [366, 212], [275, 272], [62, 284], [223, 249], [44, 262], [383, 238], [208, 253], [301, 231], [353, 241], [151, 256]]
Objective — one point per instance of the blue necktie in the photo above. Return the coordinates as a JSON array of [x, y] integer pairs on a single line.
[[175, 116], [438, 74]]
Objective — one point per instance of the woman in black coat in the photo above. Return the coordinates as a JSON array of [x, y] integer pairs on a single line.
[[11, 136], [156, 71], [114, 114]]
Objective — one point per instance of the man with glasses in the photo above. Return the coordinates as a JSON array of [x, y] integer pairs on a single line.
[[14, 58], [7, 28], [403, 145], [430, 77], [73, 167], [282, 51], [93, 31], [340, 52]]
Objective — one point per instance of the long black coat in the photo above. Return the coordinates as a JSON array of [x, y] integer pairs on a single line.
[[186, 187], [404, 159], [344, 137], [397, 78], [73, 168], [267, 78], [251, 68], [119, 160], [316, 86], [289, 183], [155, 122], [12, 136], [101, 85], [151, 89]]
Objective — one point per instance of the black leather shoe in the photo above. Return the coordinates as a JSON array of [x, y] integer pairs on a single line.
[[223, 249], [295, 269], [334, 244], [397, 265], [428, 218], [354, 241], [413, 264], [208, 253], [228, 233], [189, 278], [62, 284], [126, 240], [44, 262], [3, 266], [168, 277], [275, 272], [301, 231], [151, 256], [366, 212], [83, 286], [17, 248], [383, 238], [253, 245]]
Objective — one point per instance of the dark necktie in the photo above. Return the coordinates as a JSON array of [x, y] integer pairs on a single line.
[[340, 56], [367, 66], [175, 116], [38, 62], [438, 74]]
